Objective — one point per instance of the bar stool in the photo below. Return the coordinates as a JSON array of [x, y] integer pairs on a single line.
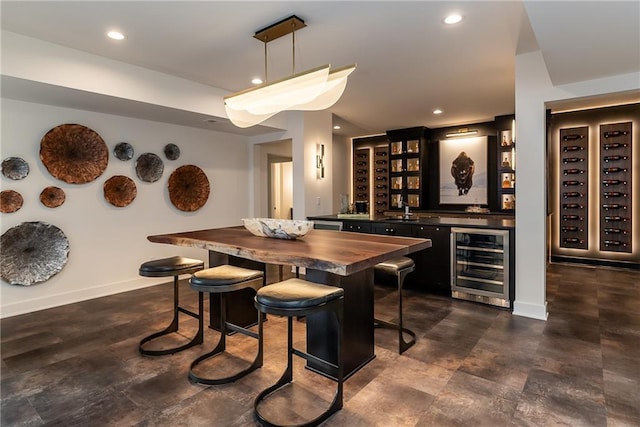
[[398, 267], [165, 267], [293, 298], [222, 280]]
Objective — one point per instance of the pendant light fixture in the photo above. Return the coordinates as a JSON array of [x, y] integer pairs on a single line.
[[311, 90]]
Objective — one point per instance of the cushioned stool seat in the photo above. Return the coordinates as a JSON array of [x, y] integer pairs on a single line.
[[222, 280], [294, 298], [398, 267], [165, 267]]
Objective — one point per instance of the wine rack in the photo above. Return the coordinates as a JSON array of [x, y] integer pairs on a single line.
[[574, 187], [361, 170], [615, 187], [381, 179]]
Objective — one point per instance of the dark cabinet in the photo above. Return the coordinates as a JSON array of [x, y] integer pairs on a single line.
[[357, 226], [432, 264], [506, 163], [391, 229]]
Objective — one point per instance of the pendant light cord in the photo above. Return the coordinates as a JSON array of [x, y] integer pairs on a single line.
[[266, 79], [293, 38]]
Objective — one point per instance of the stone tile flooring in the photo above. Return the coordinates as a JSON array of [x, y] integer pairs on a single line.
[[473, 365]]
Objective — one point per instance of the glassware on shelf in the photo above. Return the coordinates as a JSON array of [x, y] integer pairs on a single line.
[[396, 147], [396, 165], [395, 200], [413, 183], [413, 200], [396, 183], [413, 165], [413, 146]]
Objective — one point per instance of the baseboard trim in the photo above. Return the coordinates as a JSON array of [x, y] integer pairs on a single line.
[[534, 311], [51, 301]]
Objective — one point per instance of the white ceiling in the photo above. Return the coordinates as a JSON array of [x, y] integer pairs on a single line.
[[409, 62]]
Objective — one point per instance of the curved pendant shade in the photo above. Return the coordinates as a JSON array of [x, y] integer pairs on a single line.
[[312, 90]]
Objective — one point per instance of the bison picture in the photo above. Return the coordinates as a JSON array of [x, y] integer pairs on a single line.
[[462, 170]]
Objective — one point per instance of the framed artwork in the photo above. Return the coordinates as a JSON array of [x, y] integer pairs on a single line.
[[463, 171]]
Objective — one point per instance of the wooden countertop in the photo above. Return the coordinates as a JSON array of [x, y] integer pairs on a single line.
[[337, 252]]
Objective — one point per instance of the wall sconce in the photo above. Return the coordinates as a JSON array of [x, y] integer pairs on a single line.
[[320, 161], [462, 132]]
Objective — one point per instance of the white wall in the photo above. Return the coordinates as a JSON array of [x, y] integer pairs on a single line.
[[341, 170], [107, 244], [533, 90]]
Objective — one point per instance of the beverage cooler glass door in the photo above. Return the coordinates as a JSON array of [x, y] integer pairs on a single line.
[[480, 265]]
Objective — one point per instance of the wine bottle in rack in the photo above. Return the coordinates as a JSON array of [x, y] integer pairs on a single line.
[[571, 229], [381, 178], [572, 194], [614, 158], [381, 186], [572, 183], [381, 170], [572, 160], [614, 218], [572, 206], [381, 154], [569, 148], [572, 137], [613, 206], [614, 243], [608, 182], [572, 218], [609, 194], [615, 133], [381, 162], [614, 145], [572, 240], [361, 163], [613, 170], [614, 231], [573, 171]]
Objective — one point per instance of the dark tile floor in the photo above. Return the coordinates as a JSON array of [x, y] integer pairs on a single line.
[[473, 365]]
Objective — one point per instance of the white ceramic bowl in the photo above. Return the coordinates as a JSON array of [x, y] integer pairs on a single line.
[[288, 229]]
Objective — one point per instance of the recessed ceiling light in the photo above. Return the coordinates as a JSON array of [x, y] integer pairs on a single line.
[[115, 35], [336, 127], [256, 81], [452, 19], [437, 111]]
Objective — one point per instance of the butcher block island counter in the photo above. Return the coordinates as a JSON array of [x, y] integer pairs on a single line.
[[330, 257]]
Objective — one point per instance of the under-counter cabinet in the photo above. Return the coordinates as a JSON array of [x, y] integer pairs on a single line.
[[432, 264], [357, 226], [480, 266]]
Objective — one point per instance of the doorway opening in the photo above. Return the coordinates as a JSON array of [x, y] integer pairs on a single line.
[[280, 181]]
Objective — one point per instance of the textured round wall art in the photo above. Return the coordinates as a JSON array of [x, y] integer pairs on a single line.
[[32, 252], [120, 191], [172, 151], [188, 188], [10, 201], [52, 197], [15, 168], [123, 151], [149, 167], [74, 153]]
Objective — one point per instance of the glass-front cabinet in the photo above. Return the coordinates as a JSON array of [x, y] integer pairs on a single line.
[[407, 158], [480, 266]]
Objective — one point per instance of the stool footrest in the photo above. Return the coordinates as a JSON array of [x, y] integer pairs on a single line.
[[312, 358], [173, 327], [403, 344]]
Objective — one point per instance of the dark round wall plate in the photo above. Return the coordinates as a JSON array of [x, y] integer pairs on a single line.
[[123, 151], [172, 151], [74, 153], [120, 191], [10, 201], [32, 252], [15, 168], [149, 167], [188, 188], [52, 197]]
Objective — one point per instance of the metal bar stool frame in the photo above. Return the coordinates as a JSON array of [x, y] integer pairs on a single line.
[[225, 328], [403, 344], [336, 306], [198, 338]]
